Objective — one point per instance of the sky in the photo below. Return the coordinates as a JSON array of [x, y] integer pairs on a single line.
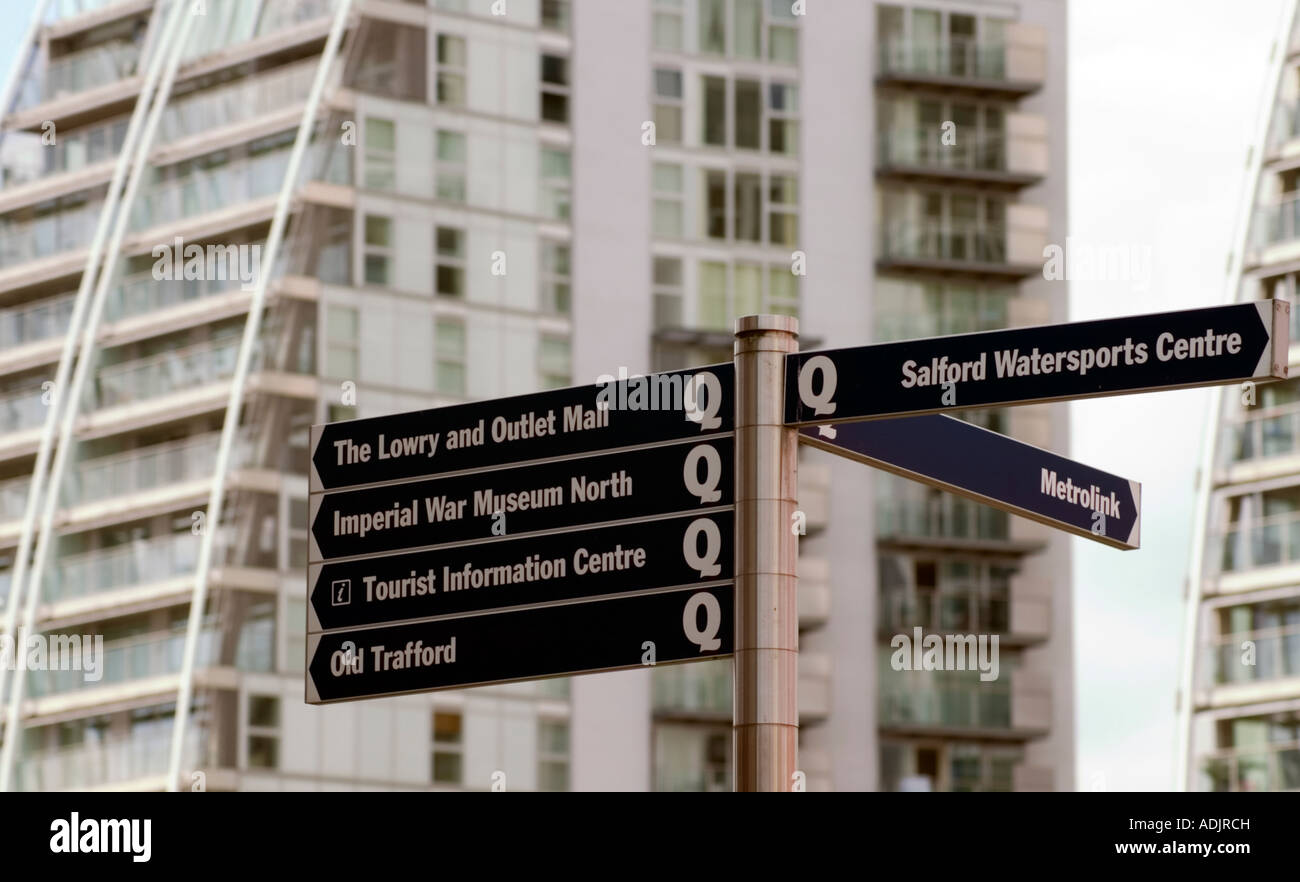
[[1162, 108]]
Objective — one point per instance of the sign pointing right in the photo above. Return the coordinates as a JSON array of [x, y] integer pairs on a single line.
[[1142, 353], [1002, 472]]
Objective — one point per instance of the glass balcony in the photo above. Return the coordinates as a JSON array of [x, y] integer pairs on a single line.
[[36, 321], [61, 9], [1277, 654], [142, 469], [1264, 542], [980, 706], [936, 241], [945, 517], [149, 655], [1263, 768], [13, 498], [27, 239], [135, 563], [142, 294], [1279, 222], [287, 13], [923, 149], [164, 373], [1263, 434], [106, 762], [243, 100], [80, 71], [24, 409], [701, 688], [966, 609], [210, 190], [946, 58]]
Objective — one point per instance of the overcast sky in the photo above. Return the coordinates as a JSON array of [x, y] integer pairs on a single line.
[[1163, 103]]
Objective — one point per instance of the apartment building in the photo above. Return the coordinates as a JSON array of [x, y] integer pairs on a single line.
[[1240, 698], [499, 198]]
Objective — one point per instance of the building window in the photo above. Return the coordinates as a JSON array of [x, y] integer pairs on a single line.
[[782, 37], [378, 252], [263, 732], [713, 129], [555, 89], [555, 15], [450, 170], [727, 291], [449, 266], [783, 210], [713, 27], [552, 755], [748, 107], [748, 201], [380, 154], [667, 25], [337, 413], [669, 184], [668, 105], [555, 183], [556, 277], [714, 203], [667, 287], [448, 747], [451, 71], [449, 349], [295, 631], [341, 334], [783, 119], [554, 359]]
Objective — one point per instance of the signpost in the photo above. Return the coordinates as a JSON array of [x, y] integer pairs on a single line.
[[1144, 353], [987, 467], [647, 520], [544, 641]]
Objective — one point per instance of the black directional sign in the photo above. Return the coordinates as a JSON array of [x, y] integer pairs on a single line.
[[1172, 350], [953, 455], [626, 557], [602, 635], [582, 419], [638, 483]]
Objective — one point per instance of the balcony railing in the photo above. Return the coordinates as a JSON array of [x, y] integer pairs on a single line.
[[143, 469], [699, 688], [966, 609], [953, 57], [1278, 222], [114, 760], [210, 190], [135, 563], [80, 71], [22, 410], [935, 241], [135, 658], [1263, 542], [1262, 768], [13, 498], [945, 518], [1265, 433], [243, 100], [923, 149], [36, 321], [986, 706], [1277, 654], [164, 373], [142, 294], [54, 233]]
